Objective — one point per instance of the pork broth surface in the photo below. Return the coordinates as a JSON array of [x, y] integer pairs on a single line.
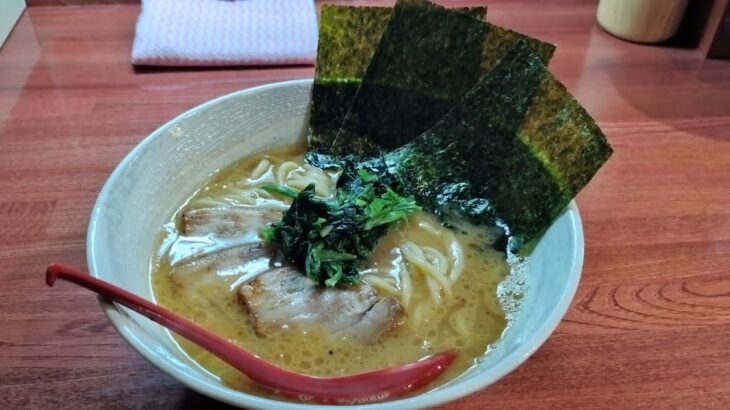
[[465, 315]]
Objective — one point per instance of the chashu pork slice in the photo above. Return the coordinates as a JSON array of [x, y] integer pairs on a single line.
[[283, 296], [234, 253], [244, 259], [227, 220]]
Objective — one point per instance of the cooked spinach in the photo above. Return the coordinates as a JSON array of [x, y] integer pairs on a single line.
[[329, 237]]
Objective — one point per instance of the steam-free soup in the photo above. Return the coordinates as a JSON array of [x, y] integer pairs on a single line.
[[445, 279]]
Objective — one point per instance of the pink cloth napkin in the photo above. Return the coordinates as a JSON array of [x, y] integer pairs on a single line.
[[224, 32]]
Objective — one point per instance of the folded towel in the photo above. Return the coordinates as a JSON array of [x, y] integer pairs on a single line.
[[221, 32]]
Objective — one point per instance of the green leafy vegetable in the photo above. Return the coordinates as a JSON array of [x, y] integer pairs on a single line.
[[282, 190], [387, 209], [328, 238], [366, 176]]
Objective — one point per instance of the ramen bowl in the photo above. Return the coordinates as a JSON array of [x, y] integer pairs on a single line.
[[162, 171]]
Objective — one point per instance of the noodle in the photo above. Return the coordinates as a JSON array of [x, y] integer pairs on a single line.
[[415, 256], [429, 228], [209, 202], [418, 292], [300, 183], [457, 255], [288, 173], [284, 171], [452, 244], [417, 317], [433, 289], [439, 271], [406, 287], [244, 196], [298, 177], [260, 170], [436, 276], [436, 258], [381, 284]]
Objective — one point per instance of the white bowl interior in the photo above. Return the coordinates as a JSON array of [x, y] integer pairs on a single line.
[[168, 166]]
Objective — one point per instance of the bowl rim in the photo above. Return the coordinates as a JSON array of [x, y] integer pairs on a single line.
[[233, 397]]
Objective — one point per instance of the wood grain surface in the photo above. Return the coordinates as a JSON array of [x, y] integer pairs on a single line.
[[649, 327]]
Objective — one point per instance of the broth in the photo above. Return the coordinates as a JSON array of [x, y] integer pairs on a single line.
[[468, 319]]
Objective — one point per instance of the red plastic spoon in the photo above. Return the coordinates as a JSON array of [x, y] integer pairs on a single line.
[[376, 385]]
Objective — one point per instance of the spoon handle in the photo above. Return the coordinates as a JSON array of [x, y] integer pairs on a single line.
[[376, 385]]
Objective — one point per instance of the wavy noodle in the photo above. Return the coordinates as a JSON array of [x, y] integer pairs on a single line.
[[424, 275], [406, 286], [455, 250], [381, 283], [457, 256], [415, 256], [434, 290], [261, 193], [284, 170], [436, 258], [269, 170], [430, 228], [245, 196], [298, 177], [300, 183], [442, 307], [261, 169]]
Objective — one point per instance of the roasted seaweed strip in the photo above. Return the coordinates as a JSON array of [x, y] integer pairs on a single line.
[[537, 147], [496, 159], [471, 164], [348, 37], [427, 59]]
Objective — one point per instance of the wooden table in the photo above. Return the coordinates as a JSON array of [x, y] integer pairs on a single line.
[[649, 327]]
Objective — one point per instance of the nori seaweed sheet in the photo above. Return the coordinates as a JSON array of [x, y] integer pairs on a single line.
[[348, 37], [513, 153], [520, 183], [471, 162], [427, 59], [563, 136], [498, 40]]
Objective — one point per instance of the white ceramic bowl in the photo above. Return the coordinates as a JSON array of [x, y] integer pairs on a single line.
[[164, 169]]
